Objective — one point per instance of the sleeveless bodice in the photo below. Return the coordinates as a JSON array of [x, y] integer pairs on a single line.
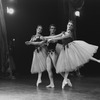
[[67, 40], [38, 39], [52, 46]]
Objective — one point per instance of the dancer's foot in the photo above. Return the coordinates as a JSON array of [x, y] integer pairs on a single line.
[[64, 83], [69, 83], [50, 86], [98, 61], [38, 82]]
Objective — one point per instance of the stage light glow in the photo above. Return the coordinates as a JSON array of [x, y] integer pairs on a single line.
[[10, 10], [77, 13]]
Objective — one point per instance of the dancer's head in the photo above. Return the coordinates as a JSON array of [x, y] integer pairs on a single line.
[[70, 25], [39, 29], [52, 29]]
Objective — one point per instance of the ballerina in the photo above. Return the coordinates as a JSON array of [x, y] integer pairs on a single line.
[[40, 54], [74, 54]]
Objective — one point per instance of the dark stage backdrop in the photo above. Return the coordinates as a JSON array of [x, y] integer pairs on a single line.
[[29, 13]]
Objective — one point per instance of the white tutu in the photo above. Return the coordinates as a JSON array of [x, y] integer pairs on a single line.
[[75, 55], [39, 61]]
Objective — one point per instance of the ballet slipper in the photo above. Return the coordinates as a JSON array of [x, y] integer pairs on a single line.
[[64, 83], [50, 86], [69, 83], [38, 82]]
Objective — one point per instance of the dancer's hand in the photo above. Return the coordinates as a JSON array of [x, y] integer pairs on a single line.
[[49, 40], [27, 42]]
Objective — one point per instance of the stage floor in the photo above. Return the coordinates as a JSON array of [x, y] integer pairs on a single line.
[[85, 88]]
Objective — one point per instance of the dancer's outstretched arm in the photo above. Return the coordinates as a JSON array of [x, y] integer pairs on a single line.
[[34, 43], [55, 36], [64, 35]]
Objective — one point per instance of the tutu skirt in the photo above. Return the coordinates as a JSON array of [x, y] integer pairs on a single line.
[[76, 54], [39, 61]]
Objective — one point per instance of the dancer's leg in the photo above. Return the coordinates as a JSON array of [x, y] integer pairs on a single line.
[[94, 59], [62, 74], [49, 70], [39, 79]]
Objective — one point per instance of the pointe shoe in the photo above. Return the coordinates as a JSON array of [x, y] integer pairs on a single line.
[[64, 83], [38, 82], [69, 83], [50, 86]]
